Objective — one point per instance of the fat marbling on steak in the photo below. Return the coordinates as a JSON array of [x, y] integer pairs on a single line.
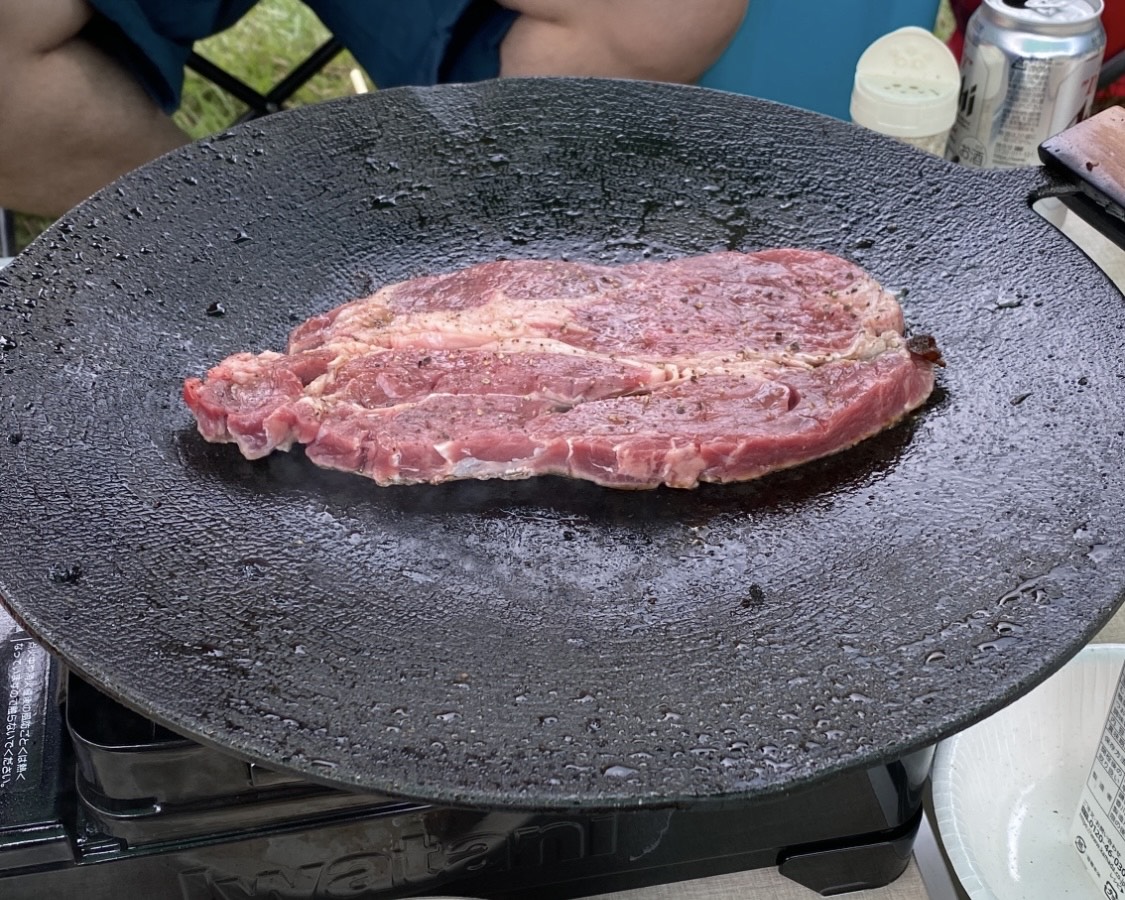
[[721, 367]]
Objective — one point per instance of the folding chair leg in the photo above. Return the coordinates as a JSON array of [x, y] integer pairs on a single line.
[[7, 233], [1112, 69]]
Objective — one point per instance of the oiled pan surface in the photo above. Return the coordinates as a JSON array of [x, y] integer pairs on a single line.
[[550, 643]]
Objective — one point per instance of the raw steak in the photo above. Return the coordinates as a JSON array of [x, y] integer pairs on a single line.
[[719, 368]]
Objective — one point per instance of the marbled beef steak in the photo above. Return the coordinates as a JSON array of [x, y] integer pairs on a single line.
[[718, 368]]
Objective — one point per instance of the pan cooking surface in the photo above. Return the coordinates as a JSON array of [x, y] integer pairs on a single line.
[[550, 643]]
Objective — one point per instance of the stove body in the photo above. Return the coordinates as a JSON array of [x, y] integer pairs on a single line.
[[96, 800]]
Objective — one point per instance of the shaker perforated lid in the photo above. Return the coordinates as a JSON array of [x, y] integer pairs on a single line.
[[906, 85]]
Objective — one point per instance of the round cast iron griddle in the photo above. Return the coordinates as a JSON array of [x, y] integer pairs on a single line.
[[549, 644]]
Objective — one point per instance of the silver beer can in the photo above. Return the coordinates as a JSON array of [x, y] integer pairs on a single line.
[[1028, 71]]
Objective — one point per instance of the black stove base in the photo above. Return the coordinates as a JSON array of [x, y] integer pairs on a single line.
[[405, 851]]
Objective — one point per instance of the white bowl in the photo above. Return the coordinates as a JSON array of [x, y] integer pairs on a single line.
[[1006, 790]]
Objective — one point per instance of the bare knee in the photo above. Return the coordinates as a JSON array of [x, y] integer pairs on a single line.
[[676, 43], [71, 119], [665, 40], [34, 28], [29, 31]]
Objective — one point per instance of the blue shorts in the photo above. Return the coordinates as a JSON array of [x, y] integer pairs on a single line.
[[398, 42]]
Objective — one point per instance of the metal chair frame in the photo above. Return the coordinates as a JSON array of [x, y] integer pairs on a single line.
[[263, 104]]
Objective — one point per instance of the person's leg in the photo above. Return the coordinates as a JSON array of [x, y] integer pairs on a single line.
[[71, 118], [661, 40], [468, 40]]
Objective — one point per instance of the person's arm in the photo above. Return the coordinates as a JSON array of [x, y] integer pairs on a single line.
[[660, 40]]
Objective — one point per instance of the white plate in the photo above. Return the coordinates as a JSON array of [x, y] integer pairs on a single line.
[[1006, 790]]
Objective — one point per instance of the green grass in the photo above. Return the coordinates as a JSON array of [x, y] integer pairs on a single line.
[[945, 23], [261, 49]]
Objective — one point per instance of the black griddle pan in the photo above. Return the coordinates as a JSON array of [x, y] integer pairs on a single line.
[[551, 644]]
